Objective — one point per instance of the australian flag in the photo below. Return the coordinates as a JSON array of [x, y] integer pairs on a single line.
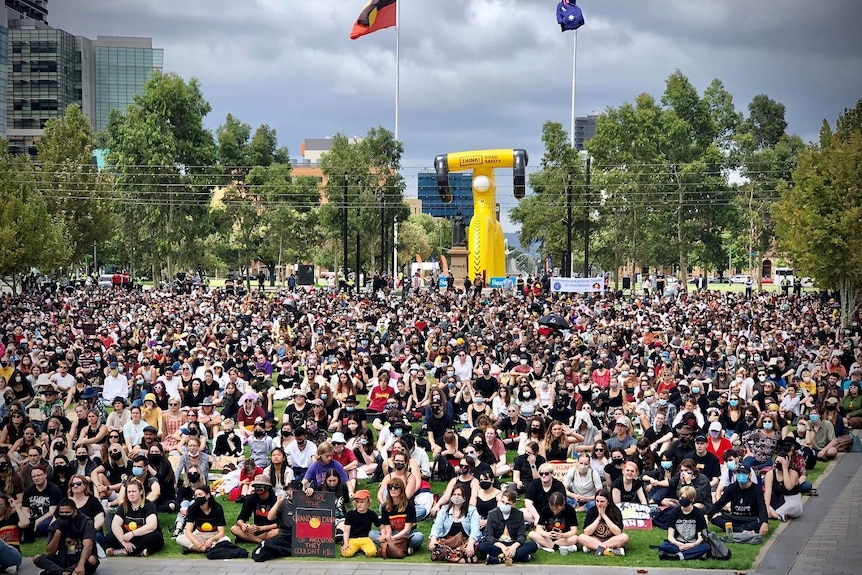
[[569, 16]]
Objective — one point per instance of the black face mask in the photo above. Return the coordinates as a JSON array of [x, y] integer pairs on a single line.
[[465, 469], [61, 446], [486, 484], [4, 467], [399, 466], [82, 458], [194, 477], [154, 459], [258, 433], [200, 500], [116, 456], [535, 429], [618, 461]]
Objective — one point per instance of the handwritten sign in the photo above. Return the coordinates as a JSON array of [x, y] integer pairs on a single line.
[[561, 469], [636, 516], [314, 524]]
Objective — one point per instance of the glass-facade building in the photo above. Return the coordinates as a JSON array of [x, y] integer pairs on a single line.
[[43, 70], [121, 72], [461, 185]]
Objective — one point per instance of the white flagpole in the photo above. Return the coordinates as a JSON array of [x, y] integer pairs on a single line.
[[574, 77], [397, 62]]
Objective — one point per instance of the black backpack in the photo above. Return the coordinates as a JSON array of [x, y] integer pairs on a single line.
[[226, 550]]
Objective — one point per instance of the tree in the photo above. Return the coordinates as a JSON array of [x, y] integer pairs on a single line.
[[73, 188], [818, 215], [30, 237], [539, 213], [375, 198], [660, 169], [766, 156], [163, 156]]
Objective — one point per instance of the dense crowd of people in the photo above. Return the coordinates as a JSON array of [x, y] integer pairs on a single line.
[[117, 405]]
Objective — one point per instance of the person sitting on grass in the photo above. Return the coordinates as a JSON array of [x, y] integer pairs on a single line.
[[205, 523], [357, 526], [505, 534], [258, 503], [684, 533], [458, 517], [747, 506], [398, 519], [557, 527], [71, 545], [603, 527], [186, 496], [135, 527]]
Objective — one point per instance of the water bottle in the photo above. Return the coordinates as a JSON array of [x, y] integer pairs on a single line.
[[728, 530]]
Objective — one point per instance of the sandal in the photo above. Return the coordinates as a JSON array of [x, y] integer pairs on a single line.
[[812, 492]]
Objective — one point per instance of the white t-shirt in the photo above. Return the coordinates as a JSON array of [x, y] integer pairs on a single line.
[[64, 382]]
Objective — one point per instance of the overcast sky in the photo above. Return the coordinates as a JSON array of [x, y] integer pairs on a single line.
[[484, 73]]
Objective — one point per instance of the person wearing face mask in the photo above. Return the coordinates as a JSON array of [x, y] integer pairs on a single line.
[[466, 480], [260, 445], [527, 401], [505, 535], [437, 425], [760, 442], [205, 523], [582, 482], [747, 506], [822, 435], [717, 441], [71, 546], [456, 531], [684, 533]]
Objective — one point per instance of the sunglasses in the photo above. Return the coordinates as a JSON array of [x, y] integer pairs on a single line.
[[394, 488], [599, 450], [544, 473], [77, 484]]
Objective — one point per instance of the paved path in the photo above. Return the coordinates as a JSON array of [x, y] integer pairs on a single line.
[[822, 541]]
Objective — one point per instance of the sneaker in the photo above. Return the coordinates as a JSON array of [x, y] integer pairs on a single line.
[[410, 550], [12, 570], [619, 551], [667, 556], [491, 560], [781, 517], [117, 552], [548, 549], [600, 552], [177, 531], [609, 553], [584, 549]]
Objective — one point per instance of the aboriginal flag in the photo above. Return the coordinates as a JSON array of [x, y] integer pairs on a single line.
[[377, 15], [569, 15]]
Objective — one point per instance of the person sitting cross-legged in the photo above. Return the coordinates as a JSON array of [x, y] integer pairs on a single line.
[[135, 527], [686, 523], [506, 534], [557, 527], [603, 527], [357, 526], [258, 503]]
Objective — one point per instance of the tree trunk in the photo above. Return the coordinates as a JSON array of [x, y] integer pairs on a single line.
[[849, 293], [680, 237]]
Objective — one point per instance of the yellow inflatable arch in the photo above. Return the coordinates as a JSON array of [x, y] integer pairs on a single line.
[[486, 250]]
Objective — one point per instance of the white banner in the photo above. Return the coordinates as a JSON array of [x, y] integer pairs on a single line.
[[578, 285]]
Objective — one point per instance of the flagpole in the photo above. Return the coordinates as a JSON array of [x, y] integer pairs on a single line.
[[574, 78], [397, 63]]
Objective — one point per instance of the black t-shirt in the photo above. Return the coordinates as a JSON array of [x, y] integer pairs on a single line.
[[91, 508], [613, 472], [708, 464], [397, 519], [297, 416], [539, 496], [80, 529], [487, 386], [559, 523], [687, 526], [39, 502], [512, 431], [628, 496], [361, 523], [254, 505], [206, 522], [134, 518], [652, 435], [522, 464], [439, 425]]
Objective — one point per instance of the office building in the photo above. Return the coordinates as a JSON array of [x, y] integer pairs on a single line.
[[585, 128], [461, 184], [48, 69]]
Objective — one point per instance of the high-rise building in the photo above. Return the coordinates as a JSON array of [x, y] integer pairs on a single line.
[[460, 183], [49, 68], [585, 128]]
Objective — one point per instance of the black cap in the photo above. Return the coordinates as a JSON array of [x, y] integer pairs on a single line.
[[350, 399], [700, 438]]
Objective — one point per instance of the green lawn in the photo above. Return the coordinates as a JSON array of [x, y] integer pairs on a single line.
[[638, 552]]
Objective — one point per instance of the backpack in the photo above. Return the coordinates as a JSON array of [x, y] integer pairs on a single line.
[[717, 548], [661, 517], [442, 470], [226, 550], [279, 546]]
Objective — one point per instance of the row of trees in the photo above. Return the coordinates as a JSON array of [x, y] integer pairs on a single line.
[[176, 195], [688, 181]]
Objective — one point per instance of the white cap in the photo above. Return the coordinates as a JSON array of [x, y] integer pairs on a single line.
[[715, 426]]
